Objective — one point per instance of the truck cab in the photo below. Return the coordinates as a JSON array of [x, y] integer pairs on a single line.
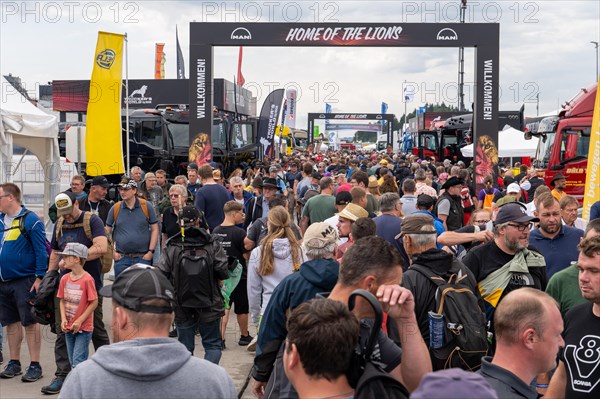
[[565, 141]]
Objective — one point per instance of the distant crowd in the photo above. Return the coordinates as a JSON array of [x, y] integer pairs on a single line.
[[482, 293]]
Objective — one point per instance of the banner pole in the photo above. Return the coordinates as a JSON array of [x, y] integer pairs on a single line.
[[127, 103]]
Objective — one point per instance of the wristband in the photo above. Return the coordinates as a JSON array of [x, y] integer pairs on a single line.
[[541, 385]]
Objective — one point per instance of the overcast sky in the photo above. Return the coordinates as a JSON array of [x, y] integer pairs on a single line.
[[545, 48]]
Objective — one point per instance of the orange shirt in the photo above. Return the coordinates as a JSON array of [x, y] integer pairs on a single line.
[[77, 295]]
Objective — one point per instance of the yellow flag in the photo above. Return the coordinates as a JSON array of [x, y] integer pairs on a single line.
[[103, 146], [592, 179]]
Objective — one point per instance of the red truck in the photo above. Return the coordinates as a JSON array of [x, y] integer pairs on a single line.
[[565, 141]]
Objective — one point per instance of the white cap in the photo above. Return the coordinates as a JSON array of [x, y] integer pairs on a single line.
[[513, 188]]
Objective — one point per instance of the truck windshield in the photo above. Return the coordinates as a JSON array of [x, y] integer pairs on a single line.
[[179, 134], [242, 135], [219, 135], [542, 156]]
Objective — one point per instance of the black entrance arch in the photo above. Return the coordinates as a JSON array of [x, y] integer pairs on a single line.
[[485, 38]]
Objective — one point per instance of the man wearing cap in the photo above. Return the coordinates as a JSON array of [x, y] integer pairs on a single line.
[[460, 383], [319, 207], [96, 202], [449, 205], [205, 254], [559, 182], [134, 234], [418, 237], [144, 360], [557, 242], [274, 173], [70, 228], [528, 338], [507, 263], [317, 275], [258, 207], [77, 188], [211, 197], [346, 218], [513, 194], [23, 259]]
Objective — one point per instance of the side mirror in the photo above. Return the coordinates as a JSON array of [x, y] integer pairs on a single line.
[[528, 136], [557, 167]]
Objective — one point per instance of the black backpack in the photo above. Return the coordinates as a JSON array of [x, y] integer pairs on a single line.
[[42, 306], [367, 377], [465, 332], [194, 276]]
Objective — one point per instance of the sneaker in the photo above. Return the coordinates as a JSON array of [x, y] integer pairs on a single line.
[[12, 369], [54, 387], [252, 345], [34, 373], [245, 340]]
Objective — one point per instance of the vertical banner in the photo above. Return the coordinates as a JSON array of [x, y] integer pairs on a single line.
[[240, 77], [409, 93], [592, 179], [290, 116], [180, 61], [267, 121], [159, 61], [201, 101], [103, 146]]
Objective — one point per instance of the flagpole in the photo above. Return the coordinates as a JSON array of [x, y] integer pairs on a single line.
[[127, 102], [405, 117]]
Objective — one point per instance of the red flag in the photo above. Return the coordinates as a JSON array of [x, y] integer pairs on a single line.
[[240, 77]]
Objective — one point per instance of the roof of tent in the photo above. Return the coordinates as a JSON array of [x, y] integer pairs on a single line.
[[27, 126], [512, 143]]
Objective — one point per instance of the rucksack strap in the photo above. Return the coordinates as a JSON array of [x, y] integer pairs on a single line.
[[378, 311], [117, 209]]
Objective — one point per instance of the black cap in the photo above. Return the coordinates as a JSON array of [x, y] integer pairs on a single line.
[[139, 283], [192, 166], [343, 198], [453, 181], [317, 175], [190, 214], [100, 181], [269, 182], [513, 212], [425, 201]]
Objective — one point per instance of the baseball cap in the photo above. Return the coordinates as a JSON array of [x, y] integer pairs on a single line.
[[64, 203], [127, 182], [458, 382], [273, 169], [74, 249], [317, 175], [413, 223], [343, 198], [425, 200], [137, 284], [353, 212], [383, 162], [100, 181], [513, 188], [319, 235], [513, 212], [189, 214], [193, 166]]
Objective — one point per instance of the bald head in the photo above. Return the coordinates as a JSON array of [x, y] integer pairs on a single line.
[[520, 310]]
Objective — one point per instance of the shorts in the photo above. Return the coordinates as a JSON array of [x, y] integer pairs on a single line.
[[14, 301], [239, 297]]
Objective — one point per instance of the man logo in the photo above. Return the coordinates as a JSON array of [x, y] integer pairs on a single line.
[[447, 34], [378, 117], [105, 58], [241, 34]]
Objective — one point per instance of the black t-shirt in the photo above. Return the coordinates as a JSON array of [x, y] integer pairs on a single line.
[[581, 354], [470, 229], [232, 240], [488, 258]]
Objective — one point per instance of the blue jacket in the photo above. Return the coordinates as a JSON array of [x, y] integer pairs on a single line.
[[313, 277], [437, 223], [20, 257], [247, 198]]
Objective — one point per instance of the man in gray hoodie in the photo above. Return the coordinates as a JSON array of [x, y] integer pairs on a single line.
[[144, 362]]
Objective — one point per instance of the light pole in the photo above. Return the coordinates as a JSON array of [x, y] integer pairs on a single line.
[[596, 44]]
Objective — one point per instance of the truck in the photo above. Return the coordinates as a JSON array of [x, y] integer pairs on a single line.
[[444, 139], [564, 142], [159, 139]]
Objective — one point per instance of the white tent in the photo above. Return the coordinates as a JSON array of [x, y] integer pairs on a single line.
[[27, 126], [512, 143]]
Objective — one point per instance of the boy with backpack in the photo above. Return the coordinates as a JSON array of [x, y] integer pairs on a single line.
[[195, 263], [78, 299]]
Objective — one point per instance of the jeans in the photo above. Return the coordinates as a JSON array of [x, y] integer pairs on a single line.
[[210, 333], [127, 261], [78, 346]]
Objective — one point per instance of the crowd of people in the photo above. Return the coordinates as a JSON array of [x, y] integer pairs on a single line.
[[499, 282]]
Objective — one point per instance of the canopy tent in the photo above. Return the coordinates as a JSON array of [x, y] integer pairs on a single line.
[[25, 125], [512, 143]]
